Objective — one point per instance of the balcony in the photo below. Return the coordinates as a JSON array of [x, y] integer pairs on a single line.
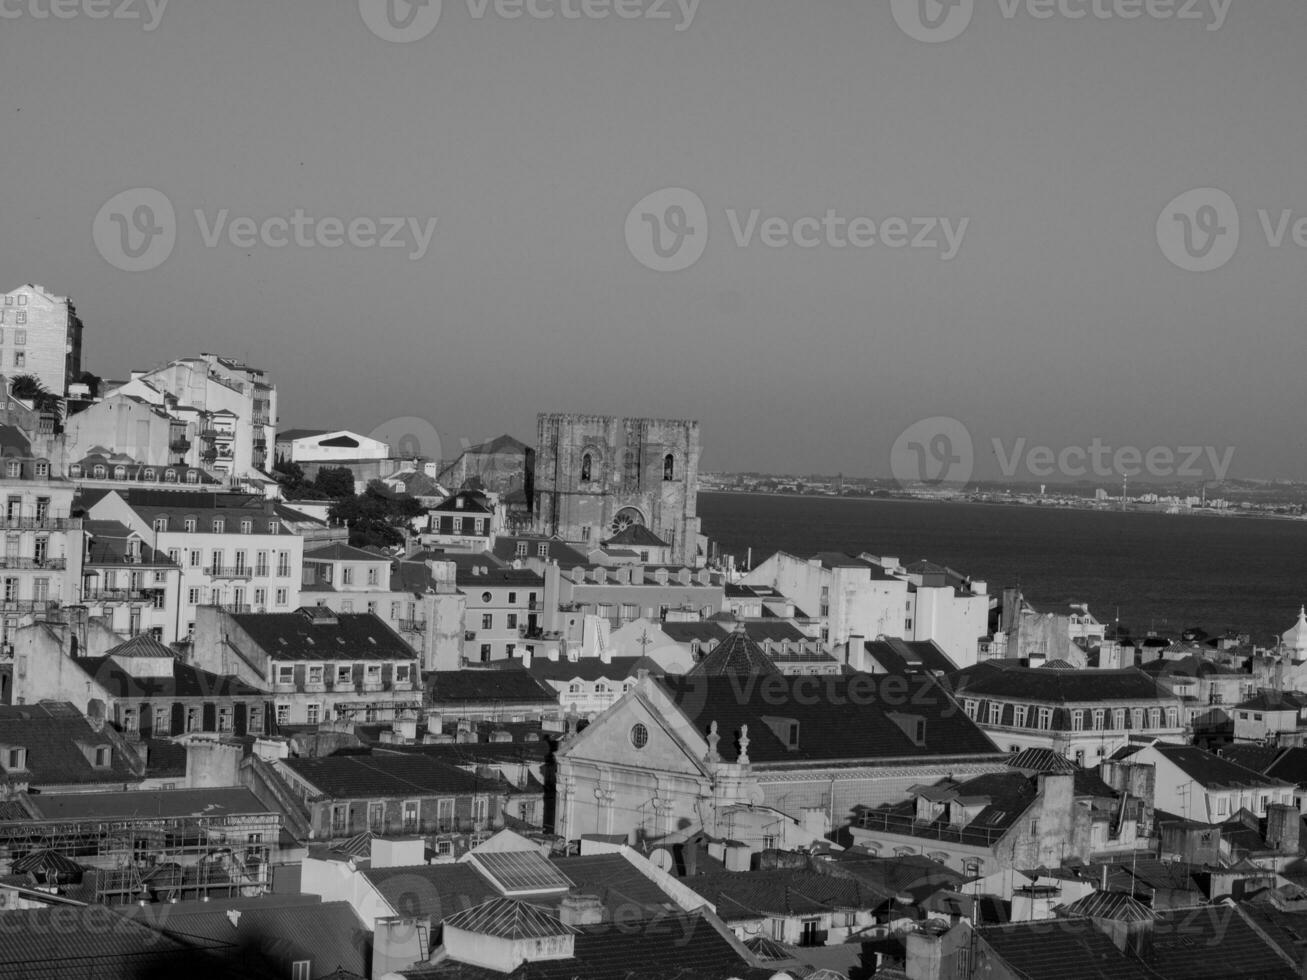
[[180, 445], [56, 564], [120, 595], [903, 825], [209, 435], [29, 605], [530, 632], [42, 522], [412, 625], [229, 571]]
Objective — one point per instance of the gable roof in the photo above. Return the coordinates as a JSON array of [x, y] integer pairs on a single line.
[[336, 551], [400, 774], [308, 634], [1211, 771], [186, 681], [904, 657], [53, 732], [512, 684], [1064, 686], [840, 717], [506, 918], [1075, 950]]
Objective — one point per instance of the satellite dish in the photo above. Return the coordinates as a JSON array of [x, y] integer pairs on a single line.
[[662, 860]]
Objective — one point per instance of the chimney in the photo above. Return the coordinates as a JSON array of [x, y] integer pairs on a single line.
[[581, 910]]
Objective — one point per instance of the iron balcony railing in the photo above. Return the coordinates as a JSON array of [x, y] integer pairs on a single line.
[[907, 826], [29, 605], [412, 625], [10, 561], [122, 595], [40, 523], [229, 571]]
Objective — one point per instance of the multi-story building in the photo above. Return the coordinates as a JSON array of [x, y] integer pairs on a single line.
[[40, 335], [41, 560], [132, 429], [234, 408], [623, 593], [1085, 715], [318, 665], [501, 466], [595, 476], [862, 597], [467, 521], [506, 607], [127, 585], [234, 550]]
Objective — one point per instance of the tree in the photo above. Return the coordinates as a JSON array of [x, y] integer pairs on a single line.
[[290, 474], [375, 517], [335, 481], [30, 388]]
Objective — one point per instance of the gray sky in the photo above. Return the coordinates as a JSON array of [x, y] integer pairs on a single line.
[[1059, 319]]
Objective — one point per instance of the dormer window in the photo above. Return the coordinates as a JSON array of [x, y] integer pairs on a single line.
[[150, 474], [521, 549], [190, 524], [42, 469], [13, 469], [100, 471], [247, 527], [120, 472], [160, 525], [169, 476], [192, 476], [219, 525], [75, 471], [13, 758]]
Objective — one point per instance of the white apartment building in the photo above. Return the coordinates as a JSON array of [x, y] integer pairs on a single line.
[[40, 335], [234, 409], [41, 556], [127, 585], [237, 551]]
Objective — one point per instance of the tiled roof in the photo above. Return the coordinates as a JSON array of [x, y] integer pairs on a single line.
[[280, 929], [211, 802], [483, 686], [107, 545], [636, 536], [186, 681], [95, 941], [1256, 757], [141, 645], [505, 918], [435, 890], [1065, 686], [1073, 950], [342, 777], [465, 502], [591, 668], [1194, 944], [1291, 765], [903, 657], [840, 718], [342, 552], [1211, 770], [1274, 701], [761, 894], [53, 732], [567, 557], [301, 635], [737, 655]]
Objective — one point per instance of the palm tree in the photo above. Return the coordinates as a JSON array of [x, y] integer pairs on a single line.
[[30, 388]]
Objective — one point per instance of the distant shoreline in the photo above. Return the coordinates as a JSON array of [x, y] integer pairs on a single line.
[[1145, 509]]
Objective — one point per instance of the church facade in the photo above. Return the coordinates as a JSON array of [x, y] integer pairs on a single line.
[[597, 476]]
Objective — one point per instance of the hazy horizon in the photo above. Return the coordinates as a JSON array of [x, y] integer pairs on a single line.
[[1053, 143]]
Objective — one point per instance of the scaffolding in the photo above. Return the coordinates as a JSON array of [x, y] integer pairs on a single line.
[[156, 857]]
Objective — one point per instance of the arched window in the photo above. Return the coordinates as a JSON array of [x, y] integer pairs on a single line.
[[169, 476], [631, 468], [669, 467], [585, 468], [120, 472], [192, 476], [149, 474], [100, 472], [75, 470]]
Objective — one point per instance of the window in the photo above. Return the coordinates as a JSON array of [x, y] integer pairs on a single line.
[[1098, 719], [376, 817], [196, 558], [347, 575], [219, 525], [995, 713], [485, 653], [410, 816], [1222, 806], [639, 735], [372, 575], [1019, 715], [1118, 719], [486, 597], [192, 597], [315, 673], [42, 469], [970, 706], [15, 760], [283, 564], [247, 527], [14, 469], [1077, 720], [160, 525], [190, 525], [340, 818], [542, 550], [402, 673], [313, 713], [285, 674], [487, 621], [20, 359], [282, 597], [480, 810], [669, 467], [512, 621], [344, 674], [521, 549], [586, 468], [1172, 718], [224, 719], [162, 721], [283, 714]]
